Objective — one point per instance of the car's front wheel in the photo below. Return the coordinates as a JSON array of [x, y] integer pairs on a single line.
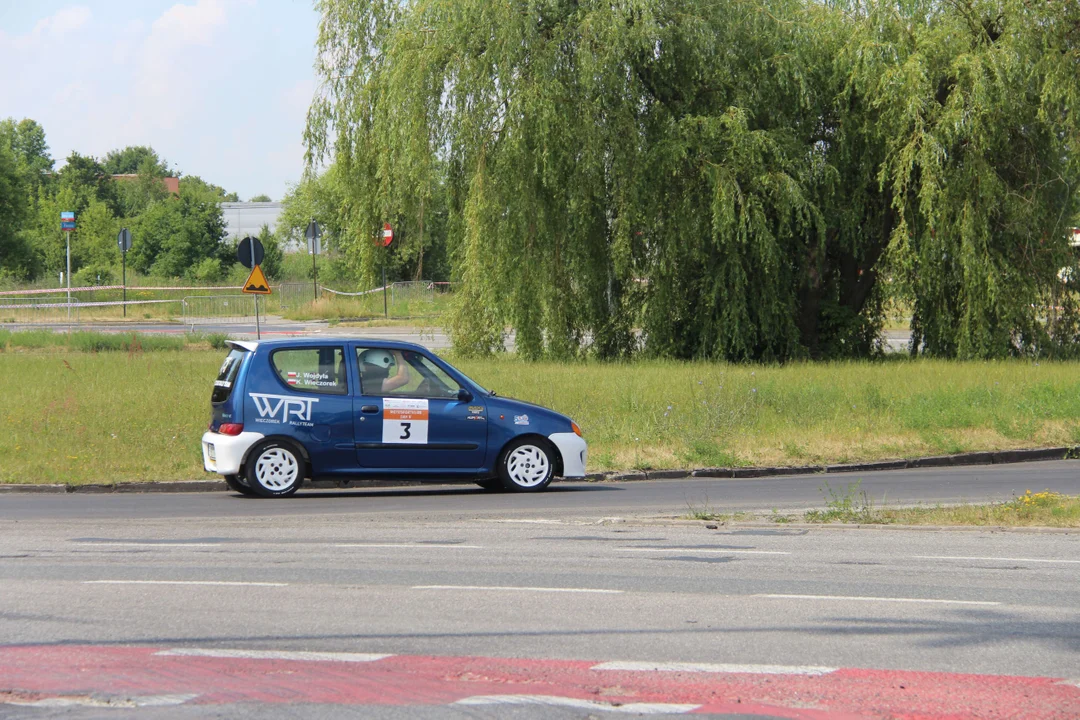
[[527, 465], [275, 469]]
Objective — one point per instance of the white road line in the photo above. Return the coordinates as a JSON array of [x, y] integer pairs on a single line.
[[994, 559], [411, 546], [524, 521], [518, 589], [859, 598], [147, 545], [124, 702], [556, 701], [183, 582], [274, 655], [714, 668], [721, 551]]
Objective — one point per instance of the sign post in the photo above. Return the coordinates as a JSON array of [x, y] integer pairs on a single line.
[[250, 253], [387, 238], [67, 226], [124, 241], [313, 233]]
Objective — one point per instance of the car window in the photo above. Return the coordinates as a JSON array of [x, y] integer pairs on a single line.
[[312, 369], [226, 377], [393, 373]]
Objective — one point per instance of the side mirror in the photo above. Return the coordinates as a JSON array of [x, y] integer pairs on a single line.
[[464, 395]]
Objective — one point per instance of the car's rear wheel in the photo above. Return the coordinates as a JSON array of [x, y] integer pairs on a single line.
[[275, 468], [527, 465], [238, 483]]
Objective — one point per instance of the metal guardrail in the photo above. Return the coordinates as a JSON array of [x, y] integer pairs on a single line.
[[289, 296], [218, 309]]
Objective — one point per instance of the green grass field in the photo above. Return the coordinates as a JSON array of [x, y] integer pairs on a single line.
[[133, 414]]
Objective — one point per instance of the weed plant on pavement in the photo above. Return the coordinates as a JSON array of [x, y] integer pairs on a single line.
[[1041, 509]]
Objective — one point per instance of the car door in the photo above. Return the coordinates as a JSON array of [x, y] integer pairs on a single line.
[[302, 392], [409, 417]]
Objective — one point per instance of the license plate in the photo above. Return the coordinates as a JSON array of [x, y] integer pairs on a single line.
[[210, 451]]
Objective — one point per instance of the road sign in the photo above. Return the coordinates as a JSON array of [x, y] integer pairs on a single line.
[[387, 234], [313, 235], [256, 283], [67, 221], [124, 240], [244, 250]]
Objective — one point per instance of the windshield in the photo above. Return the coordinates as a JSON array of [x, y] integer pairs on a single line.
[[477, 385]]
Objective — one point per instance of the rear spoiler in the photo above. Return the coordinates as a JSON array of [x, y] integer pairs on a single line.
[[242, 344]]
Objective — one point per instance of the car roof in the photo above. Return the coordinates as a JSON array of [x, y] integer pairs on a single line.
[[323, 340]]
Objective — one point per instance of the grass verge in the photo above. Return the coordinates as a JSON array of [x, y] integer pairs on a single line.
[[88, 341], [73, 416]]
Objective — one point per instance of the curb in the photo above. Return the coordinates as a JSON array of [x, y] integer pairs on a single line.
[[1003, 457]]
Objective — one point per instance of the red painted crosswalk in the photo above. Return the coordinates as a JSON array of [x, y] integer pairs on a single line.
[[155, 676]]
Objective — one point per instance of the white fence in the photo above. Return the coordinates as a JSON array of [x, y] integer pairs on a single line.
[[199, 309]]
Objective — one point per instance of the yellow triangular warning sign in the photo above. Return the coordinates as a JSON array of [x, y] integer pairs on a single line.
[[256, 283]]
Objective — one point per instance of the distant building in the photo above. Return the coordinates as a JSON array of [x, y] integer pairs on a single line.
[[172, 184], [247, 218]]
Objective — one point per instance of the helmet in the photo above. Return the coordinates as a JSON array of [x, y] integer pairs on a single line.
[[377, 357]]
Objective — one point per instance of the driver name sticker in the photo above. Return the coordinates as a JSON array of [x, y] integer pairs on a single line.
[[405, 421]]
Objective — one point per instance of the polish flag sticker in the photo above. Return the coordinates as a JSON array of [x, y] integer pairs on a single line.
[[291, 378]]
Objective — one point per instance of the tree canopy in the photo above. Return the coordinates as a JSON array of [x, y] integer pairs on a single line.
[[718, 178], [175, 235]]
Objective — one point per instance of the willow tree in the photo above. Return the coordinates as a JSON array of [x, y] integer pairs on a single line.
[[734, 177], [978, 99]]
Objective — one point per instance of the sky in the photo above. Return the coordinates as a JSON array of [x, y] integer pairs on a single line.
[[219, 88]]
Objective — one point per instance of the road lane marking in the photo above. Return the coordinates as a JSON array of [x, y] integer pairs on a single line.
[[274, 655], [810, 670], [411, 546], [147, 544], [519, 589], [556, 701], [994, 559], [861, 598], [105, 702], [184, 582], [524, 521], [707, 550]]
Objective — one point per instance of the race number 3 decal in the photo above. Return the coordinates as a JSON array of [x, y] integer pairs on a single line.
[[405, 421]]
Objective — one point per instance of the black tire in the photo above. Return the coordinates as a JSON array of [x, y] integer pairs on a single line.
[[527, 465], [491, 484], [274, 468], [238, 484]]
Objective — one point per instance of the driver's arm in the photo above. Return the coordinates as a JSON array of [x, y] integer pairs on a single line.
[[402, 377]]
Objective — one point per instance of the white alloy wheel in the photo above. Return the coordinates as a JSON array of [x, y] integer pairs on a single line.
[[528, 466], [277, 469]]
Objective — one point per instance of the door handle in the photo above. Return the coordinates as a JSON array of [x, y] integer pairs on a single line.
[[369, 409]]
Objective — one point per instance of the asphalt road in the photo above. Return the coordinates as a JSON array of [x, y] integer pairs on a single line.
[[569, 499], [582, 573]]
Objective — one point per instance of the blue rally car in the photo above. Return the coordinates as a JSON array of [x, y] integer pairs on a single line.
[[286, 410]]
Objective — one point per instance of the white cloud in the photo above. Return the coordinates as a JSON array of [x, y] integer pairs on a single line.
[[168, 71], [183, 25], [50, 29], [64, 21]]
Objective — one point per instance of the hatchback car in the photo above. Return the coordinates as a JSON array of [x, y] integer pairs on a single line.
[[286, 410]]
